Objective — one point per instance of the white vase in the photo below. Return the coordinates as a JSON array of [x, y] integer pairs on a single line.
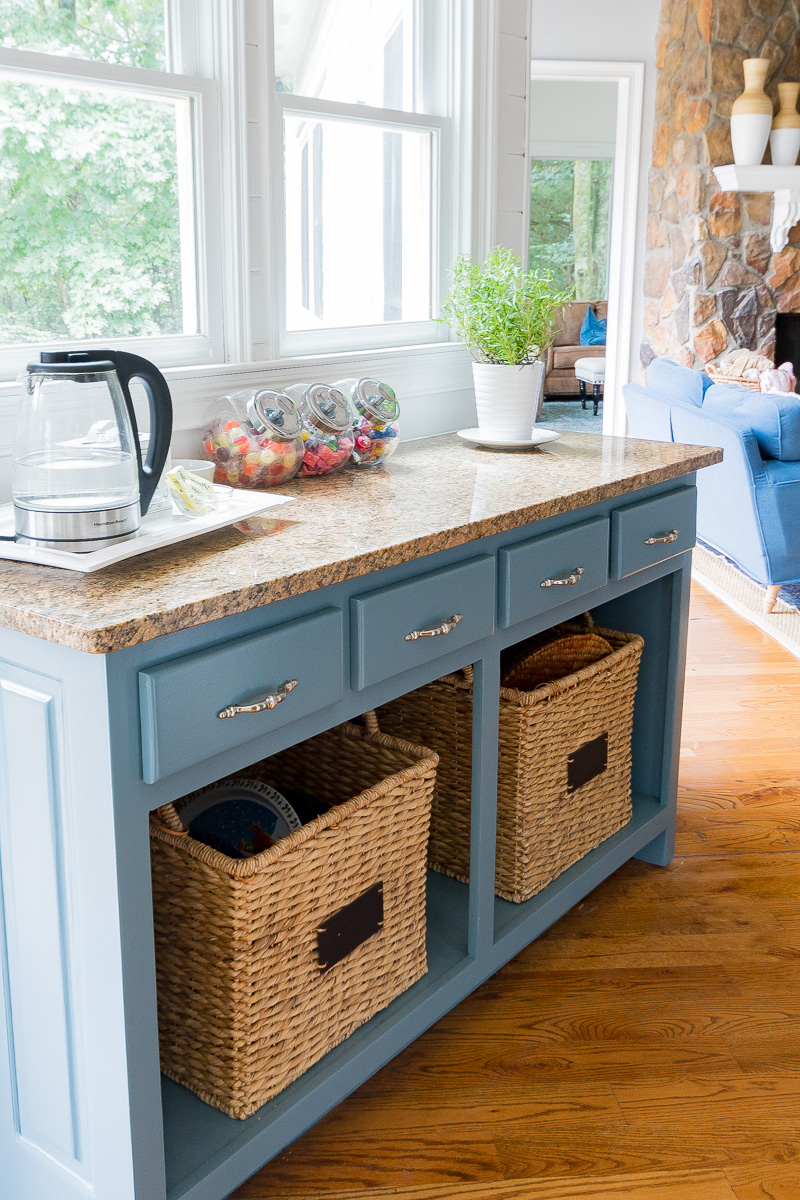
[[784, 141], [507, 399], [751, 118]]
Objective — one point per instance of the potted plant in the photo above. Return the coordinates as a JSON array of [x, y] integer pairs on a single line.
[[506, 316]]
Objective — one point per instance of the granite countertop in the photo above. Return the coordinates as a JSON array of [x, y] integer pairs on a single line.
[[433, 494]]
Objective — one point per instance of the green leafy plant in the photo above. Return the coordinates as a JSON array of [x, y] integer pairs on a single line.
[[504, 313]]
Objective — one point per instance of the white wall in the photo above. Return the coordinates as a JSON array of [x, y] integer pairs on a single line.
[[612, 31], [572, 120]]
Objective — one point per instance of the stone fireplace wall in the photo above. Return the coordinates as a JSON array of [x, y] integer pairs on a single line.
[[711, 279]]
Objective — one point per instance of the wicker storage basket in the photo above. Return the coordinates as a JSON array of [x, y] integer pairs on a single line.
[[717, 376], [544, 822], [246, 1001]]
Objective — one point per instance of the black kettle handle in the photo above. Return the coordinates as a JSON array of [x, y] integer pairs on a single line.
[[131, 366]]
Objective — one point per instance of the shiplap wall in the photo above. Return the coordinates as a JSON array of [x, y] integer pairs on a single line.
[[511, 198]]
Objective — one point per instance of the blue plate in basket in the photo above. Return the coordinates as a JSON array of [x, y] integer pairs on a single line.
[[239, 817]]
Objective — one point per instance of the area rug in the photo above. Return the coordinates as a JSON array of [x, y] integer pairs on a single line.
[[568, 414], [746, 597]]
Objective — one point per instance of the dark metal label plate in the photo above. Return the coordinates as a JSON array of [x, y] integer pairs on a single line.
[[350, 927], [587, 762]]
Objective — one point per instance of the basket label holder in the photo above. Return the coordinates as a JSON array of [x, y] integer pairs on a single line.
[[351, 926], [587, 762]]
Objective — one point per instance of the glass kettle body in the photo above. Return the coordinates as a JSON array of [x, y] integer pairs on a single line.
[[78, 481]]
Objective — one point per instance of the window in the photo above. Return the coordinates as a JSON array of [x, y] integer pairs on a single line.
[[104, 211], [314, 219], [362, 104]]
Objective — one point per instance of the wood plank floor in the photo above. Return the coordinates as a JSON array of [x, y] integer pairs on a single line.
[[647, 1047]]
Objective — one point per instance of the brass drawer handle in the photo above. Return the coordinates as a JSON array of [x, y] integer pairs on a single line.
[[437, 630], [565, 580], [271, 701], [672, 536]]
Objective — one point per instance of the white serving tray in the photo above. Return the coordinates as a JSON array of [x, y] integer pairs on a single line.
[[158, 529]]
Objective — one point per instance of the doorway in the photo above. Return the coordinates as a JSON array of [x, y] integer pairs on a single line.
[[584, 148]]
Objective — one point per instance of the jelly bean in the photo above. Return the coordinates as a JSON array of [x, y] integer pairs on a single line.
[[267, 457], [220, 475], [223, 439], [223, 454], [252, 457], [209, 448], [231, 424]]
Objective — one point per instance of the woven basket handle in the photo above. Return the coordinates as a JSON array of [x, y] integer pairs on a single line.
[[468, 673], [167, 817], [370, 720]]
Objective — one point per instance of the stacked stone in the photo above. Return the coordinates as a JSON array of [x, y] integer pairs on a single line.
[[711, 280]]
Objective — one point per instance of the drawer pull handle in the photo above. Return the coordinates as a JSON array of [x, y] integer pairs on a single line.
[[271, 701], [565, 580], [437, 630], [672, 536]]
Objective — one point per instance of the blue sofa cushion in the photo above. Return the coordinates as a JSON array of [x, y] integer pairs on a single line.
[[773, 417], [677, 383]]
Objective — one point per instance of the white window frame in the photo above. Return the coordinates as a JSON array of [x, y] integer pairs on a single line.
[[203, 148], [437, 75], [226, 48]]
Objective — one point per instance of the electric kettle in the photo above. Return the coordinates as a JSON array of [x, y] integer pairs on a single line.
[[77, 478]]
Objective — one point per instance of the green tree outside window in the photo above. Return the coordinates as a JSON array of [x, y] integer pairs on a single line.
[[569, 223], [89, 229]]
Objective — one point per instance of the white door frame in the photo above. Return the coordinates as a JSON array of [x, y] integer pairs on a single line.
[[629, 78]]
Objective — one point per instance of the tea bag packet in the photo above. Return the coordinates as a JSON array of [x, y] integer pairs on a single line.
[[191, 494]]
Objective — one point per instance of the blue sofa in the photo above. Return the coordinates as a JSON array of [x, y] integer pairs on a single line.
[[748, 506]]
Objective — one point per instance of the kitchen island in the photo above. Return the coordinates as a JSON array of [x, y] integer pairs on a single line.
[[111, 686]]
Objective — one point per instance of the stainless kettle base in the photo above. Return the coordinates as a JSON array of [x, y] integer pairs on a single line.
[[76, 532]]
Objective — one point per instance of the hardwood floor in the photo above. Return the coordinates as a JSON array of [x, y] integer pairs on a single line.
[[647, 1047]]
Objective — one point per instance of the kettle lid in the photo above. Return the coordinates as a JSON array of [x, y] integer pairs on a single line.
[[70, 362]]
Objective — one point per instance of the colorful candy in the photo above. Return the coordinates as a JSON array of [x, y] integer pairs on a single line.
[[376, 411], [254, 439], [327, 428]]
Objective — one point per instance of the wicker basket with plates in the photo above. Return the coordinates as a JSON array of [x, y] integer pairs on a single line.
[[264, 964]]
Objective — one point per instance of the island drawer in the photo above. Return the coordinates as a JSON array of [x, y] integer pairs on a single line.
[[407, 624], [182, 702], [648, 532], [544, 572]]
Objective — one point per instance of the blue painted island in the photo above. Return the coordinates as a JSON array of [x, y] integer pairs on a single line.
[[111, 687]]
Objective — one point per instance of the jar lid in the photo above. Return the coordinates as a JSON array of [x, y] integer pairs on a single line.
[[273, 413], [377, 399], [328, 406]]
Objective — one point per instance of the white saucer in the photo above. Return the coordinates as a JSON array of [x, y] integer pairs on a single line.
[[538, 438]]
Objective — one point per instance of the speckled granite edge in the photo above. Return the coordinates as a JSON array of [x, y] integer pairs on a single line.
[[120, 634]]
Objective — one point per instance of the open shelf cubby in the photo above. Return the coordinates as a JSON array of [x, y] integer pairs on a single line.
[[197, 1137]]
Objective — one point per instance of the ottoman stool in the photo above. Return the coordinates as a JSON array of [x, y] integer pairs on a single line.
[[593, 371]]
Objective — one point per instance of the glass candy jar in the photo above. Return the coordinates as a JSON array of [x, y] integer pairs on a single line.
[[327, 427], [375, 411], [253, 437]]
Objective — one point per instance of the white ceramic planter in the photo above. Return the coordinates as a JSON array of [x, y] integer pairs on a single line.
[[507, 399], [784, 145], [749, 137]]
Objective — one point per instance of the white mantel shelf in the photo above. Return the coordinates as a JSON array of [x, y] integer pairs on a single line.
[[783, 182]]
